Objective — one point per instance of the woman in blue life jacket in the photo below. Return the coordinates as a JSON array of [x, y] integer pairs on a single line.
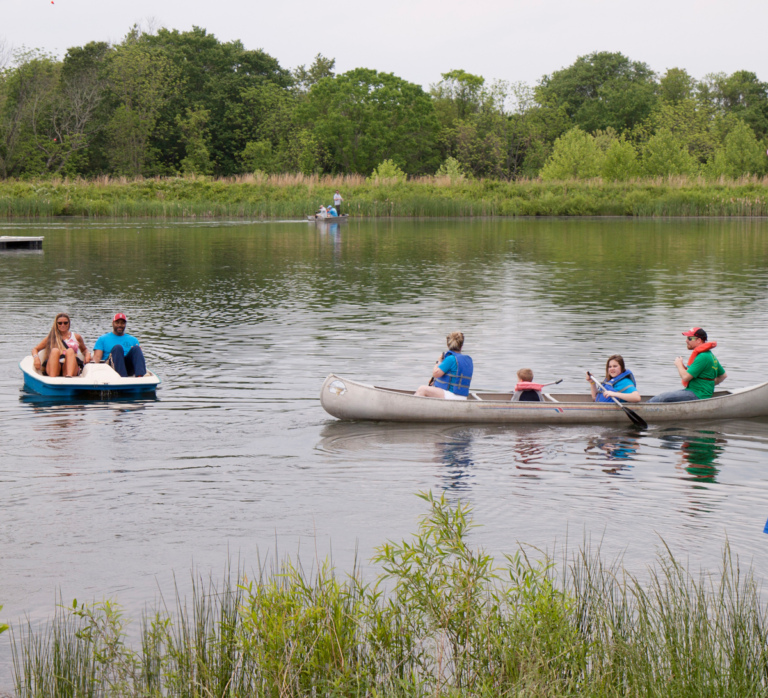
[[452, 374], [620, 383]]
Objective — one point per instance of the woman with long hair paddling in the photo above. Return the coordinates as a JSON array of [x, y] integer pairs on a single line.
[[452, 374], [61, 347], [619, 387], [619, 382]]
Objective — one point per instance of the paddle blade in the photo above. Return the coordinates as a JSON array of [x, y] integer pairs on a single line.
[[636, 418]]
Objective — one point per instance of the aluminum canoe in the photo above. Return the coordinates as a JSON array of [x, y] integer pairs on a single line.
[[99, 379], [348, 399]]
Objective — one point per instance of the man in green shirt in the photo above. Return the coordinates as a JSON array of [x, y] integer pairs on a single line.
[[702, 373]]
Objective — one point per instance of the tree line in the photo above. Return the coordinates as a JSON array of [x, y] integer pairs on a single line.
[[167, 102]]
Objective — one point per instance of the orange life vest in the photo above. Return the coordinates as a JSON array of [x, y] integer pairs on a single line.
[[698, 350], [527, 385]]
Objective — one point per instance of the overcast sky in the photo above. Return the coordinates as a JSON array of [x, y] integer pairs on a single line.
[[420, 39]]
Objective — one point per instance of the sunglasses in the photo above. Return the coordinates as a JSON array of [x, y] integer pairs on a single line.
[[119, 322], [62, 322]]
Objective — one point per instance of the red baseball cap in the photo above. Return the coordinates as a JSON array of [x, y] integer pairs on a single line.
[[696, 332], [119, 316]]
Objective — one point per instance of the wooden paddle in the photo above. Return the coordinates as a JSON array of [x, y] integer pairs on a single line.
[[432, 380], [633, 416]]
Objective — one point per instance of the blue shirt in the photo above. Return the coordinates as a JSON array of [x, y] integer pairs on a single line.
[[107, 342], [448, 364]]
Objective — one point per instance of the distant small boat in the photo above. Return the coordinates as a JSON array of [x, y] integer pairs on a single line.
[[319, 218], [20, 242], [98, 379], [348, 399]]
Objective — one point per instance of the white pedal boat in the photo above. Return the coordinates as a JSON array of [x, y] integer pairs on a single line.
[[95, 378]]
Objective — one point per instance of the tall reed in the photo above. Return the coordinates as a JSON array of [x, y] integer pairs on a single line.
[[281, 196], [442, 618]]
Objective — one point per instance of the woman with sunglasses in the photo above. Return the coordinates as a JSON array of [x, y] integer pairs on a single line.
[[61, 347]]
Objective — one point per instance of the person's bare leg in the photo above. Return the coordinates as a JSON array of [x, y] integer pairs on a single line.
[[70, 363], [53, 367], [429, 391]]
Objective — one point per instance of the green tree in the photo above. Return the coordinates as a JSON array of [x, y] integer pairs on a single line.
[[741, 154], [740, 94], [531, 132], [480, 146], [687, 121], [269, 117], [576, 155], [665, 155], [452, 169], [621, 161], [47, 114], [215, 77], [601, 90], [304, 78], [303, 153], [361, 117], [387, 170], [84, 86], [194, 126], [28, 96], [676, 86], [142, 80], [458, 95], [475, 125], [257, 156]]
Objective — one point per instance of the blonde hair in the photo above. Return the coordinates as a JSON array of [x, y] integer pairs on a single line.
[[54, 338], [525, 374], [455, 341]]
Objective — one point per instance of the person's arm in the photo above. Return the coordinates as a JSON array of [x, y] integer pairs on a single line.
[[35, 357], [83, 348], [684, 375], [444, 367], [634, 396], [592, 387], [721, 378], [97, 354]]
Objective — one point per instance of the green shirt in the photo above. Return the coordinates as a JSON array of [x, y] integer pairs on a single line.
[[704, 369]]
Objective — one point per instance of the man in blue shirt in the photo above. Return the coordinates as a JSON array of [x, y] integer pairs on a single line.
[[120, 350]]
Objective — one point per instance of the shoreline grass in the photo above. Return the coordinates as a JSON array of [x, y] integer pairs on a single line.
[[294, 196], [442, 619]]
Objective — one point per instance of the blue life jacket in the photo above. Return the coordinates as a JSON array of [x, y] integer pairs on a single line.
[[457, 383], [614, 386]]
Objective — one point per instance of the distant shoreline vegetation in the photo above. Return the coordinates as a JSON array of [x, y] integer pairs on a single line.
[[271, 197], [168, 103]]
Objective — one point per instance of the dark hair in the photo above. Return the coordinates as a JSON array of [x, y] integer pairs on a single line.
[[619, 359]]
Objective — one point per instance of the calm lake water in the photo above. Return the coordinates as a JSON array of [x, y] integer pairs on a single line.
[[235, 458]]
